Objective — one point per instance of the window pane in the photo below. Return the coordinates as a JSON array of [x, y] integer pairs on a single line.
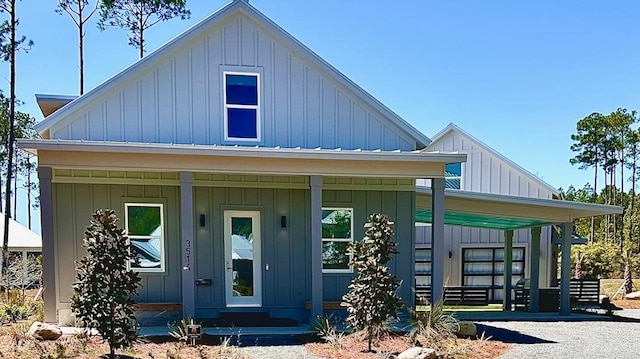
[[452, 183], [242, 256], [242, 90], [477, 268], [423, 254], [335, 255], [423, 268], [241, 123], [453, 170], [336, 223], [144, 221], [518, 254], [475, 280], [481, 254], [423, 281], [149, 251]]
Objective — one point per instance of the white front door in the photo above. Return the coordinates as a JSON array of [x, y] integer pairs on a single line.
[[243, 272]]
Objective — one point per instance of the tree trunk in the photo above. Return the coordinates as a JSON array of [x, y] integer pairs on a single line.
[[29, 191], [595, 195], [628, 279], [81, 44], [12, 118]]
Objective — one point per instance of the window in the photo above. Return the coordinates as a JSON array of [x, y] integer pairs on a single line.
[[423, 267], [242, 106], [452, 175], [485, 267], [337, 233], [144, 225]]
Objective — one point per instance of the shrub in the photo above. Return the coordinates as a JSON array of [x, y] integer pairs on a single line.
[[104, 284], [178, 330], [372, 299], [325, 328], [433, 324]]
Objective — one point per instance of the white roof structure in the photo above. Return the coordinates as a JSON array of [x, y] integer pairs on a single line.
[[20, 237]]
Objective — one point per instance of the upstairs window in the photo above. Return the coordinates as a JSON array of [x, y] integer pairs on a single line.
[[452, 175], [242, 106], [144, 225]]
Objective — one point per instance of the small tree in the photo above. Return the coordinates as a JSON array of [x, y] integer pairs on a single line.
[[22, 273], [104, 285], [372, 299]]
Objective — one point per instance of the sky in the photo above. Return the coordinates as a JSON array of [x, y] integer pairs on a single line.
[[517, 75]]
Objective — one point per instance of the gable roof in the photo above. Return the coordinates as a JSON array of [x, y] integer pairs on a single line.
[[20, 236], [243, 7], [452, 127]]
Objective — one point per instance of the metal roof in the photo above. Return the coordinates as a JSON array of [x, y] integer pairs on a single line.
[[505, 212], [34, 145]]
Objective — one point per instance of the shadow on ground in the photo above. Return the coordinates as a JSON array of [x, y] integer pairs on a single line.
[[509, 336]]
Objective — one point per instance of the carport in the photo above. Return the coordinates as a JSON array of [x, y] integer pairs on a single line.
[[507, 213]]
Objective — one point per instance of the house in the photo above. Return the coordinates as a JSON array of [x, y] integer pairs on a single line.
[[475, 255], [241, 165], [22, 240]]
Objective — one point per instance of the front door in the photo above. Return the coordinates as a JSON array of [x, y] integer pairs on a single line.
[[243, 272]]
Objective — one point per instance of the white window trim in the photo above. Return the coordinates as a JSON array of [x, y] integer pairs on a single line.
[[163, 238], [227, 106], [348, 240]]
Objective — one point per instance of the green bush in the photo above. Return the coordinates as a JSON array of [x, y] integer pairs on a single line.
[[372, 299], [102, 293]]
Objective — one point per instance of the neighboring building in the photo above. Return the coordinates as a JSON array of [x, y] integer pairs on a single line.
[[475, 255], [242, 164], [22, 240]]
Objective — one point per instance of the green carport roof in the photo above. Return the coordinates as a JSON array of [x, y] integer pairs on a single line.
[[505, 212]]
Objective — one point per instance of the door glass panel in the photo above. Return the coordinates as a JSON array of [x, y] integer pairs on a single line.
[[242, 256]]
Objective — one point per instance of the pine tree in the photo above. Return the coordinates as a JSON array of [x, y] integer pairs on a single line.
[[372, 299], [104, 285]]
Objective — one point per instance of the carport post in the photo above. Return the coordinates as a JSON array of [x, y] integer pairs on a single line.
[[534, 288], [565, 270], [437, 240], [508, 263]]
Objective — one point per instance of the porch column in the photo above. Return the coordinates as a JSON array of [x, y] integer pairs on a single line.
[[48, 251], [535, 271], [316, 247], [186, 225], [565, 269], [437, 239], [508, 262]]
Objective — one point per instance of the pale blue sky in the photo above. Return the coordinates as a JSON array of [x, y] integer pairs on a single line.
[[516, 74]]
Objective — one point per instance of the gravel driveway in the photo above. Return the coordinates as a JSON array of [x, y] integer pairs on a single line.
[[580, 339]]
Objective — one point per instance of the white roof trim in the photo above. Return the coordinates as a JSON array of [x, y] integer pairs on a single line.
[[453, 127], [593, 208], [199, 28], [241, 151]]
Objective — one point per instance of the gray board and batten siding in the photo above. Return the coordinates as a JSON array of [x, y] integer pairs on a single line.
[[73, 204], [178, 98], [287, 283]]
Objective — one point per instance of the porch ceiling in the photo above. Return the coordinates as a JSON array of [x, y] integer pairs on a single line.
[[504, 212]]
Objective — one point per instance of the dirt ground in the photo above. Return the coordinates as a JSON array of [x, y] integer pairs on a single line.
[[626, 304], [353, 347]]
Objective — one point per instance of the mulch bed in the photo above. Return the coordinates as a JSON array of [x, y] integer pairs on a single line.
[[626, 304], [354, 346]]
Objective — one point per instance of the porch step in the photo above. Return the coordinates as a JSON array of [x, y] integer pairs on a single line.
[[247, 319]]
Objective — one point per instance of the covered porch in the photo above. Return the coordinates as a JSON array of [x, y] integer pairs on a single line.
[[440, 207]]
